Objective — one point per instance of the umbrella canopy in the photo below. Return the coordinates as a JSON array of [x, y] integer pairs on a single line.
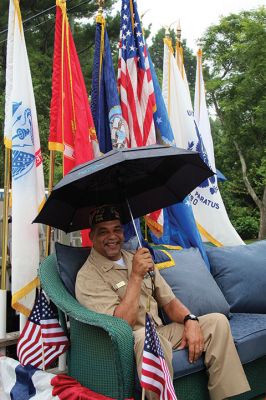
[[150, 178]]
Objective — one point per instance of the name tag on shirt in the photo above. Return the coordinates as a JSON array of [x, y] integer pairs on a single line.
[[120, 284]]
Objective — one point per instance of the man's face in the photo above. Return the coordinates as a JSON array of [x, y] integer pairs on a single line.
[[107, 238]]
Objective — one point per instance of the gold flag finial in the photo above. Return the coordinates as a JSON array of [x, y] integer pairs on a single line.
[[178, 32], [101, 5], [99, 16]]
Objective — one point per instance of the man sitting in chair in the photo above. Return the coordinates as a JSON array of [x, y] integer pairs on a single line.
[[116, 282]]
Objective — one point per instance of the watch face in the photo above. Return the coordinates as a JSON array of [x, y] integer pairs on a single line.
[[192, 316]]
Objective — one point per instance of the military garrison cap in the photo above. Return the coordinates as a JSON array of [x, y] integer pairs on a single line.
[[102, 214]]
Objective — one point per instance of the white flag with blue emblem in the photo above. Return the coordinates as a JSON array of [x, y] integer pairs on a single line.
[[208, 208], [21, 134]]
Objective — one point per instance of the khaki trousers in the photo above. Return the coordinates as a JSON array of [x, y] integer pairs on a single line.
[[226, 374]]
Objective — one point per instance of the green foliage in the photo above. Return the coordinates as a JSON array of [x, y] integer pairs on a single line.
[[247, 226], [234, 53]]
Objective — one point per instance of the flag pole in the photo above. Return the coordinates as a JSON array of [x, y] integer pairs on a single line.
[[199, 59], [179, 51], [148, 308], [5, 217], [100, 20], [168, 42], [50, 187], [4, 243]]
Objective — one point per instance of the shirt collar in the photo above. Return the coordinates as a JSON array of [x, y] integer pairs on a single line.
[[105, 264]]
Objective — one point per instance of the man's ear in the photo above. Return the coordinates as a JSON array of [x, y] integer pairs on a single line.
[[91, 234]]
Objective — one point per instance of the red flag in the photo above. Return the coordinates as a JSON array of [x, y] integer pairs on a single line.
[[136, 90], [71, 125]]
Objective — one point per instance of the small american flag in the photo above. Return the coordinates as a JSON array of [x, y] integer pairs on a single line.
[[155, 374], [42, 339], [134, 79]]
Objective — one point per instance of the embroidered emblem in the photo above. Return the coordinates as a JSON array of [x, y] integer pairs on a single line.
[[200, 148], [118, 131], [22, 140]]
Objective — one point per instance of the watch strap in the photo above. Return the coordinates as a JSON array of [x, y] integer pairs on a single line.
[[190, 317]]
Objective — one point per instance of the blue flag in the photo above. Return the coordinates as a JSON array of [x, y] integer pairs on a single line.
[[105, 104], [179, 223]]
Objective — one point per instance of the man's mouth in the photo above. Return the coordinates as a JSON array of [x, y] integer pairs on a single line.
[[112, 245]]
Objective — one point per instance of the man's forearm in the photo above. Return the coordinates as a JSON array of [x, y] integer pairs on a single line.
[[176, 311], [129, 306]]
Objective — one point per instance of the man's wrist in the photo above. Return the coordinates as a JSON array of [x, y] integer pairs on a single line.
[[190, 317], [136, 277]]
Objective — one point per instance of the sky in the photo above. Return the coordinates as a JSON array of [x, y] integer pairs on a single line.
[[195, 15]]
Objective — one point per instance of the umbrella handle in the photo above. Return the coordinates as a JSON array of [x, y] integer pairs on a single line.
[[151, 273]]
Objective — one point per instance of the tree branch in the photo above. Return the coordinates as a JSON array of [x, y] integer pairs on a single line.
[[226, 70], [217, 109], [86, 48], [248, 185]]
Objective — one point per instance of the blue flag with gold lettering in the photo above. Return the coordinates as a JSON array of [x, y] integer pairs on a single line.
[[105, 104]]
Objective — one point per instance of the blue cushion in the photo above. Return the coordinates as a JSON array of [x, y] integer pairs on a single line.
[[182, 366], [69, 261], [249, 333], [193, 284], [240, 272]]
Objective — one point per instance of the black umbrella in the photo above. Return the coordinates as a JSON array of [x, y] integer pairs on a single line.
[[146, 178]]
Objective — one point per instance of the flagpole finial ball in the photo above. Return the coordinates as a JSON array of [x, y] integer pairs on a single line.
[[178, 33], [101, 5]]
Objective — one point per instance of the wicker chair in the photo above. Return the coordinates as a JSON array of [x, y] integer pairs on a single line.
[[101, 355]]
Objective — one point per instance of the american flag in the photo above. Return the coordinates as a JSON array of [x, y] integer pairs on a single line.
[[42, 339], [136, 89], [134, 79], [155, 374]]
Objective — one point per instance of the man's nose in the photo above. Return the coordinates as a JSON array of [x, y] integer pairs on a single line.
[[112, 235]]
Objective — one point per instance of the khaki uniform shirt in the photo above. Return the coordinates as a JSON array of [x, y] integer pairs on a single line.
[[101, 285]]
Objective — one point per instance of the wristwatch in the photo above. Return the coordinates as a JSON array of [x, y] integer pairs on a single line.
[[190, 316]]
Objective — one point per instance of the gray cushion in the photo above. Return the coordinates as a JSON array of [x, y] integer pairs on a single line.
[[69, 261], [240, 272], [193, 284]]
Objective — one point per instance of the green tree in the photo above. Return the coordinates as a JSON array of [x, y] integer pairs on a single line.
[[235, 56]]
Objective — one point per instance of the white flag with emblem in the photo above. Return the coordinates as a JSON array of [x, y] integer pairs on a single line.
[[21, 134], [208, 208]]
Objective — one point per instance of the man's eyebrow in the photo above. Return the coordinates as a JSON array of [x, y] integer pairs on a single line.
[[102, 229]]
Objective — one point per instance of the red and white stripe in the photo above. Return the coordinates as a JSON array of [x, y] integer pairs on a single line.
[[156, 377], [41, 344], [137, 101]]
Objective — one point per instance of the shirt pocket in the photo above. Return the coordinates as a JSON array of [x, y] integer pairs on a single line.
[[147, 285]]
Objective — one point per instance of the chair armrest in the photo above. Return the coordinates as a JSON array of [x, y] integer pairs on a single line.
[[118, 330]]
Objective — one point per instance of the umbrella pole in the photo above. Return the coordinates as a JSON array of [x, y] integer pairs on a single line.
[[133, 222], [150, 273]]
